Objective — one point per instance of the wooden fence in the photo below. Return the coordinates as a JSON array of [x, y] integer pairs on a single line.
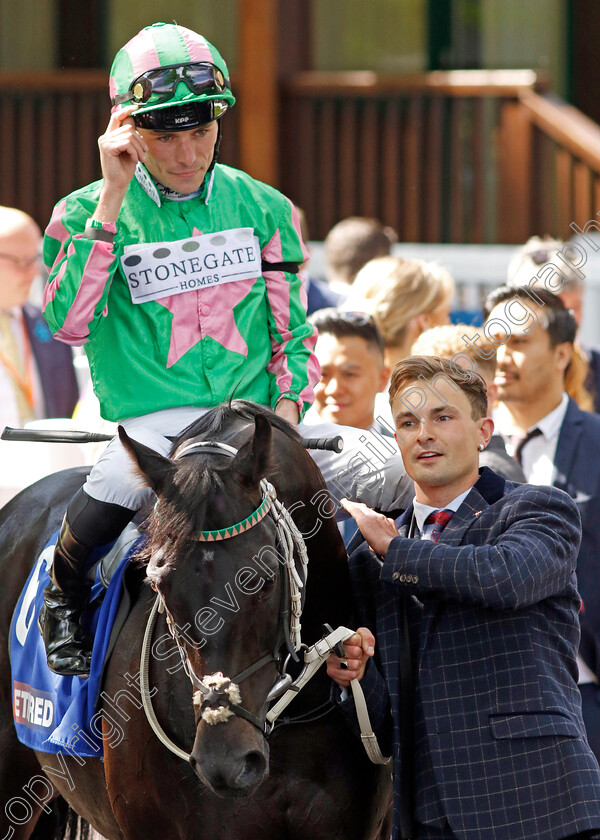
[[464, 156]]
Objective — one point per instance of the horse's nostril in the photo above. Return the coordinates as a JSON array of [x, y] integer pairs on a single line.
[[255, 765]]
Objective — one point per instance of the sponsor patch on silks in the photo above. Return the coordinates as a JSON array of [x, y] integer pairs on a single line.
[[160, 269]]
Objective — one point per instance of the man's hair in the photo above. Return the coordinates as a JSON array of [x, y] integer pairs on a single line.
[[353, 242], [429, 369], [447, 341], [396, 290], [348, 324], [558, 321]]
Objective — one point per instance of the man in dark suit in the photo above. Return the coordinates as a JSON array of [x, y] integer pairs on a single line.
[[37, 378], [558, 444], [487, 607]]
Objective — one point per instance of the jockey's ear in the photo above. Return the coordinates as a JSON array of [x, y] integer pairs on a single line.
[[253, 460], [154, 468]]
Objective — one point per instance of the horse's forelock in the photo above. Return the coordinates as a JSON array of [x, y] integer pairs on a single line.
[[199, 476], [227, 418]]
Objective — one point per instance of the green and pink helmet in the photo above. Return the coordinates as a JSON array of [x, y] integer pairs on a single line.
[[178, 79]]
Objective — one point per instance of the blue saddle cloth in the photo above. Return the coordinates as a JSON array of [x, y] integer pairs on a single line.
[[57, 714]]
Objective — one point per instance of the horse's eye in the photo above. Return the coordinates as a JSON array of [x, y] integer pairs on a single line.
[[158, 558]]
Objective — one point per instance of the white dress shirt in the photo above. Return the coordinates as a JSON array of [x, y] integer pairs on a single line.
[[538, 454]]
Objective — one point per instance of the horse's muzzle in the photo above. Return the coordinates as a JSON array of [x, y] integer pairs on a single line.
[[231, 763]]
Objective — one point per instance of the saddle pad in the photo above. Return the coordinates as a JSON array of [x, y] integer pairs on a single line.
[[57, 714]]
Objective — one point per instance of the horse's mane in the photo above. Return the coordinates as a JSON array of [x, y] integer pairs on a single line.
[[201, 477], [220, 419]]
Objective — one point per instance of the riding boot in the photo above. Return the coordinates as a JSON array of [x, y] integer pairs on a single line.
[[88, 523]]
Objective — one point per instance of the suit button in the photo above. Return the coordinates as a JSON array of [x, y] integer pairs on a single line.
[[415, 579], [402, 578], [409, 578], [395, 575]]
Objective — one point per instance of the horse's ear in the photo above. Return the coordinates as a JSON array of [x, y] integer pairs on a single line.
[[153, 467], [253, 461]]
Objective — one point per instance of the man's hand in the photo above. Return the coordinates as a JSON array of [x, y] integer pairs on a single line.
[[357, 651], [121, 147], [377, 529]]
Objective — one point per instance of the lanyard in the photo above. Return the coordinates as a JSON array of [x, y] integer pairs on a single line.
[[23, 382]]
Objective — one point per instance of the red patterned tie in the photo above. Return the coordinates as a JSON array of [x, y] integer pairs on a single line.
[[439, 519]]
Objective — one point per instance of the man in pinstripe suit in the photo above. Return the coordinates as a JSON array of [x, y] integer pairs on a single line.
[[488, 608]]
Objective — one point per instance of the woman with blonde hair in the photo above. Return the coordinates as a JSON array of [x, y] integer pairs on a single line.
[[404, 297]]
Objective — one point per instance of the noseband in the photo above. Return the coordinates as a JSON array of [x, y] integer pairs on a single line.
[[218, 697]]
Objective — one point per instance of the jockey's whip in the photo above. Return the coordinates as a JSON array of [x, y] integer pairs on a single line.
[[334, 444]]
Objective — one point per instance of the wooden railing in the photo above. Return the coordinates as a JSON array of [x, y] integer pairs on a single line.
[[464, 156]]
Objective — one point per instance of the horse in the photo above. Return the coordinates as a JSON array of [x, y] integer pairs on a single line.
[[222, 642]]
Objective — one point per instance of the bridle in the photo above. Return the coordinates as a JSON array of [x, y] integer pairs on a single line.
[[216, 696]]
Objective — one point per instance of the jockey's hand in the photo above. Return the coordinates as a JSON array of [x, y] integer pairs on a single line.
[[121, 147], [357, 650], [377, 529], [288, 410]]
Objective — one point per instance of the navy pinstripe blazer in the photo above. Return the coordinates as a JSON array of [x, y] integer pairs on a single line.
[[500, 746]]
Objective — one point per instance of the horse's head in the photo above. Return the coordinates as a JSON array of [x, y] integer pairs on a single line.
[[217, 562]]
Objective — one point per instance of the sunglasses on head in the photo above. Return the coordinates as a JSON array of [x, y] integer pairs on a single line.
[[200, 77], [542, 255], [359, 319]]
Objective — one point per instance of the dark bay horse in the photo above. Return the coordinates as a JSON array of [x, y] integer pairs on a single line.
[[216, 654]]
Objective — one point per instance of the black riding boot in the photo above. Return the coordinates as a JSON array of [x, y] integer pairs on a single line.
[[88, 523]]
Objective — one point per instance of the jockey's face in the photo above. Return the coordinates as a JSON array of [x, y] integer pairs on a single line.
[[180, 159]]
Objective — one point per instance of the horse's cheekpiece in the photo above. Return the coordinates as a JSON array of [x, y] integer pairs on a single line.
[[52, 712]]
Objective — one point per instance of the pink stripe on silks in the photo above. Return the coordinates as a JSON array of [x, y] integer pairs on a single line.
[[143, 59], [303, 292], [112, 92], [305, 254], [313, 370], [279, 298], [298, 229], [196, 46], [50, 289], [56, 230], [75, 328]]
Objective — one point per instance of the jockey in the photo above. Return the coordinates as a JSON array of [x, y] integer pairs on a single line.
[[179, 276]]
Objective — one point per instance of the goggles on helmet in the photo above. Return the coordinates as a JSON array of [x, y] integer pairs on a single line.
[[200, 77]]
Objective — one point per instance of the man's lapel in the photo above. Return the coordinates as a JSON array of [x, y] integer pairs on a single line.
[[403, 522], [568, 439], [487, 490]]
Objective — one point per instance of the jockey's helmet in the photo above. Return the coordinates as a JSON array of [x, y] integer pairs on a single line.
[[175, 76]]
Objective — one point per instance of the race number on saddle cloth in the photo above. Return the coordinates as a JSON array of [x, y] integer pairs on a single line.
[[51, 713]]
